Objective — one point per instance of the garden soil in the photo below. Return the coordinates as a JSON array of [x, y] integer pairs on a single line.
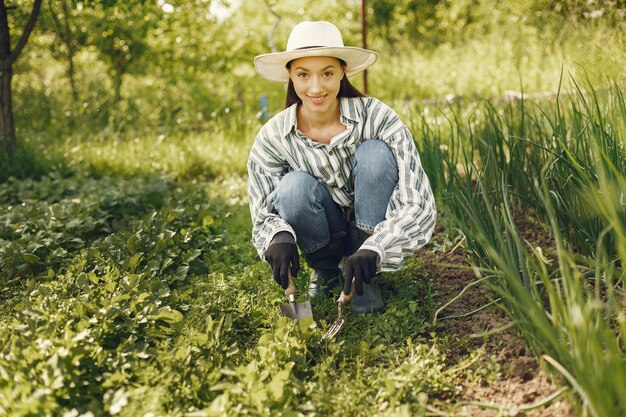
[[519, 380]]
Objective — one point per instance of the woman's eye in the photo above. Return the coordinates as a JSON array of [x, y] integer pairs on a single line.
[[328, 74], [302, 75]]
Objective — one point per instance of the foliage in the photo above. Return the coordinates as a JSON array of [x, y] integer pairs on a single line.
[[129, 286], [184, 65], [567, 167], [103, 303], [25, 162], [37, 236], [429, 22], [143, 295]]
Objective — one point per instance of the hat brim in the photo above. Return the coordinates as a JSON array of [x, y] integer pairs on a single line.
[[273, 66]]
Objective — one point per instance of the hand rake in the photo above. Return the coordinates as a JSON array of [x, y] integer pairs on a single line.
[[338, 324]]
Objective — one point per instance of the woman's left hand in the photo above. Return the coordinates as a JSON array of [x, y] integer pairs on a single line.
[[362, 267]]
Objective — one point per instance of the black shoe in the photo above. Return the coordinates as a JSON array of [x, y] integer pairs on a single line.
[[371, 301], [324, 263]]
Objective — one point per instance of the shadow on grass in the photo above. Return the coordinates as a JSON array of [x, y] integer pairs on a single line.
[[26, 162]]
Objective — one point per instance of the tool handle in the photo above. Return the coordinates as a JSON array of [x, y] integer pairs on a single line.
[[290, 292], [344, 298]]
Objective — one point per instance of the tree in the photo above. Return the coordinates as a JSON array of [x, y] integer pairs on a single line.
[[65, 33], [7, 58]]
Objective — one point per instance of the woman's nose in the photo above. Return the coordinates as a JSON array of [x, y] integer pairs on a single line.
[[316, 84]]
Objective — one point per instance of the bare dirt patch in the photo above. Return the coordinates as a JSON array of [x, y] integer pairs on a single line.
[[513, 377]]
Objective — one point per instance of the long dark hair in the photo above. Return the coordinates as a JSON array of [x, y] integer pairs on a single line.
[[345, 88]]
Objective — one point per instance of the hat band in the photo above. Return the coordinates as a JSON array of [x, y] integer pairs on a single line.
[[308, 47]]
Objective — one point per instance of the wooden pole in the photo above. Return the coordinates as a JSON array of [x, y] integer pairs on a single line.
[[364, 38]]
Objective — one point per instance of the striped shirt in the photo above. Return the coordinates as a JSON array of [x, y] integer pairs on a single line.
[[280, 147]]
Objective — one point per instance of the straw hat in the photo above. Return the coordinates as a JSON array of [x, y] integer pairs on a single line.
[[313, 39]]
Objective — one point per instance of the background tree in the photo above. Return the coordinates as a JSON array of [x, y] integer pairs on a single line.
[[8, 56], [110, 65], [60, 13], [120, 33]]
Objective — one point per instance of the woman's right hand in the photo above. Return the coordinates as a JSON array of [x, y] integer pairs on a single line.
[[281, 257]]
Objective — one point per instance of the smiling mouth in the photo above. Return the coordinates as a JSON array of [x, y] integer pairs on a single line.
[[317, 99]]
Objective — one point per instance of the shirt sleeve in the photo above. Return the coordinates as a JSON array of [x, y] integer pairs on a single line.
[[265, 170], [411, 214]]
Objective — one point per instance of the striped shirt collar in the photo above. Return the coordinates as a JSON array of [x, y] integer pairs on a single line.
[[350, 109]]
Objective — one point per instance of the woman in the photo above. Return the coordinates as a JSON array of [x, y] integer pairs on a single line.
[[335, 172]]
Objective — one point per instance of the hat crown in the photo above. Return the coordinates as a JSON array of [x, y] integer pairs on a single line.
[[311, 39], [314, 34]]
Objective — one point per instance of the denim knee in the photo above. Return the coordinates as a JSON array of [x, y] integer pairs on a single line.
[[375, 178], [296, 193], [375, 158]]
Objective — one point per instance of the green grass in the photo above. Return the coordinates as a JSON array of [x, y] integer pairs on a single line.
[[218, 151], [565, 163], [512, 58], [129, 284], [162, 306]]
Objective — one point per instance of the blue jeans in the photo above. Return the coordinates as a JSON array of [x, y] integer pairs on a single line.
[[305, 203]]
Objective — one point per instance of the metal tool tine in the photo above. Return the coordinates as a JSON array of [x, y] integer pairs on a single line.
[[335, 327], [338, 324], [333, 330]]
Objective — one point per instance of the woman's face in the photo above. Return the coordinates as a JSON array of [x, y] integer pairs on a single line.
[[316, 81]]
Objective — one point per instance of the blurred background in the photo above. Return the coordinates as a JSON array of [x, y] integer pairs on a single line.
[[111, 67]]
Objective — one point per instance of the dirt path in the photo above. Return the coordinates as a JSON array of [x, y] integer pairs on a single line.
[[515, 379]]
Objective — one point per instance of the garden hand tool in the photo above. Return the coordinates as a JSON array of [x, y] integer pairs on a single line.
[[338, 324], [295, 310]]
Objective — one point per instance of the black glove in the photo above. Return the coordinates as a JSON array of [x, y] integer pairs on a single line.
[[281, 256], [361, 266]]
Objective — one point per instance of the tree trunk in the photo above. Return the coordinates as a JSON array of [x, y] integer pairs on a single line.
[[364, 36], [7, 58], [64, 32], [70, 51], [117, 85], [7, 128], [270, 35]]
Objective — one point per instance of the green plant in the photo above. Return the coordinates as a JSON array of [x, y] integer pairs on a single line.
[[567, 306]]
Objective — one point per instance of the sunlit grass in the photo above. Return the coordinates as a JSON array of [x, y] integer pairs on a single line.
[[180, 155], [511, 59], [185, 156]]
